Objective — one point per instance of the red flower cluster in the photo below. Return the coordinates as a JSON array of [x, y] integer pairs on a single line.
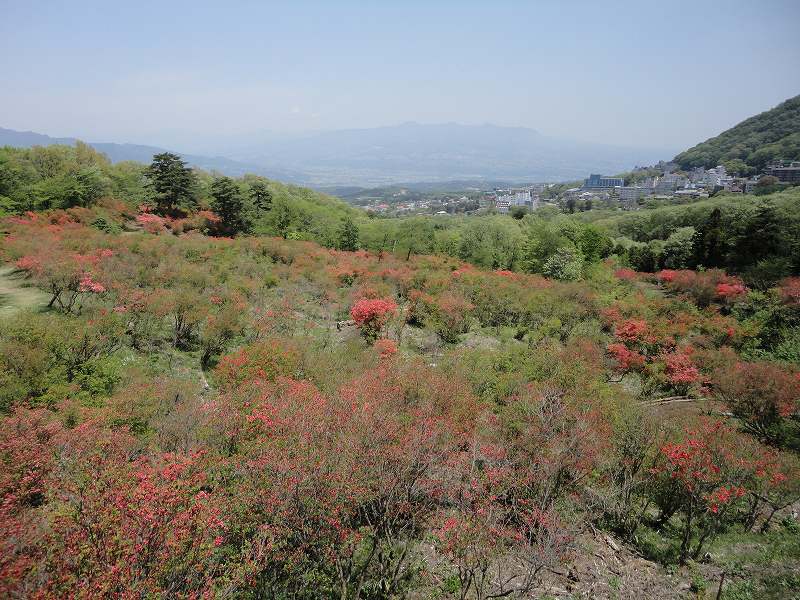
[[723, 495], [627, 360], [790, 291], [730, 290], [386, 348], [680, 369], [630, 330], [703, 286], [373, 312], [625, 274], [87, 284]]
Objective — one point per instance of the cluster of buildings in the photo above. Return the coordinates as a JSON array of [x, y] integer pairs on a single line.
[[505, 200], [698, 183], [785, 172]]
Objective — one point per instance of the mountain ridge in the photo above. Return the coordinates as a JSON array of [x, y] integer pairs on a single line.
[[118, 152], [396, 154], [770, 135]]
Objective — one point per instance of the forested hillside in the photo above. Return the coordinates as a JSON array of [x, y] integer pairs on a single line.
[[747, 148], [52, 177]]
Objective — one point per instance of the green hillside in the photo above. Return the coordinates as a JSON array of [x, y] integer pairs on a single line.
[[747, 148], [64, 177]]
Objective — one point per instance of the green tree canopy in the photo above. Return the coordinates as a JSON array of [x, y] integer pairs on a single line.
[[348, 236], [229, 205], [172, 184]]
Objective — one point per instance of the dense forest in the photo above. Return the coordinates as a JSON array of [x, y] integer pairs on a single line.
[[216, 387], [747, 148]]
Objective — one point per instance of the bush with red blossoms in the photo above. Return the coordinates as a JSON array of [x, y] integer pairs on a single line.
[[704, 287], [625, 274], [703, 476], [386, 348], [626, 360], [762, 394], [789, 291], [680, 370], [632, 330], [371, 314]]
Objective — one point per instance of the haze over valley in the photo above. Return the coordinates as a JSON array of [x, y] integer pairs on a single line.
[[406, 153]]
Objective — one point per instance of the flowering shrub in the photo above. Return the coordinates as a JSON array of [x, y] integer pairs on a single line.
[[262, 361], [631, 330], [449, 314], [703, 287], [680, 370], [760, 393], [87, 284], [371, 314], [626, 360], [703, 475], [789, 291], [151, 223], [626, 274]]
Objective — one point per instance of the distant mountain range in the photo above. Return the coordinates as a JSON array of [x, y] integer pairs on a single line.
[[413, 152], [406, 153], [144, 154]]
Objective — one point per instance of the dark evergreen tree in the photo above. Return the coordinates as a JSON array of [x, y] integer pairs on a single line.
[[171, 184], [260, 196], [348, 236], [643, 259], [760, 236], [708, 245], [229, 205]]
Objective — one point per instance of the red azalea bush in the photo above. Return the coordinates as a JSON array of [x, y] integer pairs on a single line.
[[626, 360], [386, 348], [762, 394], [703, 287], [625, 274], [680, 370], [263, 361], [703, 475], [631, 330], [371, 314]]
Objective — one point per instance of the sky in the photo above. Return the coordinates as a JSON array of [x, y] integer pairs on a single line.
[[194, 74]]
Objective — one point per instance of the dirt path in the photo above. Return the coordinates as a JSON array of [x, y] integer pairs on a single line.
[[14, 295]]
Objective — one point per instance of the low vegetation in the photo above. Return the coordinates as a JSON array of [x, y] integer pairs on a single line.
[[267, 417]]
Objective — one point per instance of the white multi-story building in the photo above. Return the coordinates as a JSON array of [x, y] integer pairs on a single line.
[[716, 176], [516, 198]]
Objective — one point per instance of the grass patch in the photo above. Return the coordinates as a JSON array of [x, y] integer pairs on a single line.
[[15, 295]]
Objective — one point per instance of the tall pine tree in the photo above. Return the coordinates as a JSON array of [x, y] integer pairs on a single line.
[[228, 203], [172, 185]]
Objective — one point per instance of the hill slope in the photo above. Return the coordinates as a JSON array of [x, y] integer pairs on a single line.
[[771, 135]]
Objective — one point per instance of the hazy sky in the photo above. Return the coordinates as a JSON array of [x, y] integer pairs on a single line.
[[639, 73]]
